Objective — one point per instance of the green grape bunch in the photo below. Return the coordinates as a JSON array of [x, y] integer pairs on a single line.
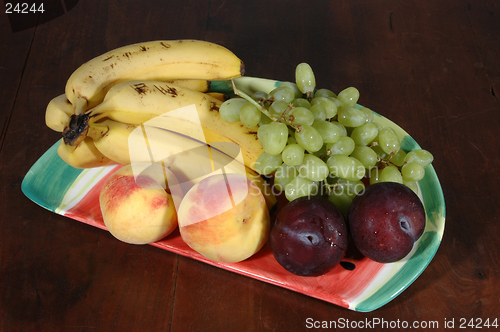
[[317, 142]]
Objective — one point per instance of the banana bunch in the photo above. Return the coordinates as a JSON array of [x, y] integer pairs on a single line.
[[131, 88], [155, 60]]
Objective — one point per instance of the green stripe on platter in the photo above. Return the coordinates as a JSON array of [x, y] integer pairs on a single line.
[[433, 199], [48, 179]]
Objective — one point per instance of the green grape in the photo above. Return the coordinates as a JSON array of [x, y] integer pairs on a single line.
[[293, 154], [283, 175], [324, 93], [285, 94], [380, 153], [273, 137], [344, 146], [318, 112], [360, 170], [250, 115], [266, 164], [412, 185], [374, 175], [301, 116], [388, 140], [365, 155], [229, 111], [342, 201], [292, 86], [264, 119], [343, 193], [313, 168], [351, 188], [346, 167], [299, 187], [369, 114], [261, 132], [260, 96], [309, 138], [364, 134], [336, 102], [421, 156], [412, 172], [343, 130], [328, 104], [348, 97], [291, 140], [349, 130], [390, 174], [321, 153], [301, 102], [304, 77], [328, 131], [398, 158], [380, 127], [351, 117], [278, 107]]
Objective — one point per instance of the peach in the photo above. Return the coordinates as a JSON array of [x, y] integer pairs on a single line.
[[224, 217], [137, 203]]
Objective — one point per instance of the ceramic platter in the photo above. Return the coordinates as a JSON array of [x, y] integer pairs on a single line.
[[359, 283]]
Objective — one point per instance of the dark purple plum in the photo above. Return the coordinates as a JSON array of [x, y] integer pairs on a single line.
[[309, 237], [385, 221]]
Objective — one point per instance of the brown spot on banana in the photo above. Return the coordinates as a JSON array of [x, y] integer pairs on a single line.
[[140, 88], [167, 91], [253, 133], [214, 106]]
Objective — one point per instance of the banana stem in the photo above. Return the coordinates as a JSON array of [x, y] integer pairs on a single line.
[[80, 105], [77, 129]]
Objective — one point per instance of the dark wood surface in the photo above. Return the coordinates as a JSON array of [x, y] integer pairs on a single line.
[[433, 67]]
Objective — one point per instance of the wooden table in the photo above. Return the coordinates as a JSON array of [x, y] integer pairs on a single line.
[[430, 66]]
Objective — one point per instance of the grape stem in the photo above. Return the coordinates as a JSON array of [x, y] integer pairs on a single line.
[[243, 95], [382, 163], [330, 187], [251, 100]]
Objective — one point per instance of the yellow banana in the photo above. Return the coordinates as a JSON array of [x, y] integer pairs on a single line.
[[218, 95], [153, 60], [59, 109], [136, 102], [190, 160], [113, 142], [58, 113], [196, 85], [84, 155]]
